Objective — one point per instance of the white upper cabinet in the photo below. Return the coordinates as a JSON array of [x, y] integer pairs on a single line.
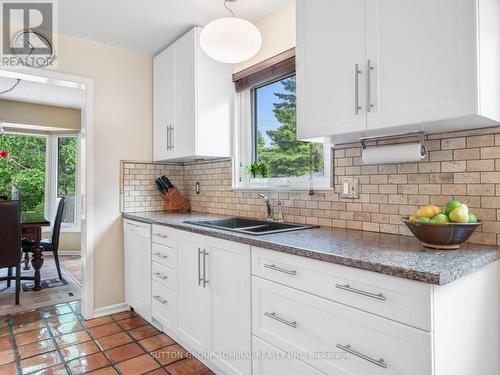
[[424, 65], [330, 63], [192, 102]]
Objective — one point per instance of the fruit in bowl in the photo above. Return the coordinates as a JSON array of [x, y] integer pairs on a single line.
[[443, 229]]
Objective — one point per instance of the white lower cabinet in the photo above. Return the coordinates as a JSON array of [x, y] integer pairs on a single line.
[[249, 310], [214, 299], [316, 329]]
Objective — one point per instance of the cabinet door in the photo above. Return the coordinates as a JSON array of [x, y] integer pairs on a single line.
[[164, 104], [229, 279], [184, 135], [192, 296], [330, 43], [422, 53]]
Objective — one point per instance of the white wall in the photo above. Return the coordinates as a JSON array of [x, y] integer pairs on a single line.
[[278, 34], [122, 130]]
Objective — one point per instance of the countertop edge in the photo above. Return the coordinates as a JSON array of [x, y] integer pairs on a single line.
[[439, 279]]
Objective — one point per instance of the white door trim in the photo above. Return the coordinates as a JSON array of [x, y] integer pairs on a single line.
[[86, 170]]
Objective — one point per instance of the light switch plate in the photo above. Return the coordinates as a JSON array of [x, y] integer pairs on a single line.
[[349, 188]]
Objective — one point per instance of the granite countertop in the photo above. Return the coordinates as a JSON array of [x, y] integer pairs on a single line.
[[399, 256]]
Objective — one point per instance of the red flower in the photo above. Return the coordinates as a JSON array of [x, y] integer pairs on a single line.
[[4, 154]]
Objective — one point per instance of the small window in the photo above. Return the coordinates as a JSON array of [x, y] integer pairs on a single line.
[[265, 132], [275, 133], [66, 176]]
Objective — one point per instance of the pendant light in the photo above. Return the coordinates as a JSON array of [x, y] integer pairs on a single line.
[[230, 39]]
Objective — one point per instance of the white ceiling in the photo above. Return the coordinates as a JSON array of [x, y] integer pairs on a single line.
[[149, 26], [42, 93]]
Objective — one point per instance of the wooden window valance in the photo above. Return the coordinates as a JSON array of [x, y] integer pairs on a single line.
[[273, 67]]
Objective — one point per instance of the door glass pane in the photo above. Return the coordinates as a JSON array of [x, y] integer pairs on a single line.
[[22, 171], [66, 175]]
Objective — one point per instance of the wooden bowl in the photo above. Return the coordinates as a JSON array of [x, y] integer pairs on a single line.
[[442, 236]]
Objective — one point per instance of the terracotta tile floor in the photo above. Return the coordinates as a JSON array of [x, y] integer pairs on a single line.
[[56, 340]]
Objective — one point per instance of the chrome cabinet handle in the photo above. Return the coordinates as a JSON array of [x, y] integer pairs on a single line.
[[199, 267], [132, 224], [348, 288], [347, 348], [168, 137], [161, 276], [280, 319], [172, 140], [369, 69], [279, 269], [357, 72], [160, 235], [205, 281], [161, 300], [160, 255]]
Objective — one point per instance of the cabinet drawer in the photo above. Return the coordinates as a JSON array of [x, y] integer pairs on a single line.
[[164, 305], [404, 301], [165, 236], [270, 360], [164, 255], [297, 322], [165, 276]]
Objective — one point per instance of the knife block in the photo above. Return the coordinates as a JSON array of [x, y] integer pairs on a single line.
[[175, 201]]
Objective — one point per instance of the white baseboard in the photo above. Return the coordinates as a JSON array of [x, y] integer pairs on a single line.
[[112, 309], [67, 252]]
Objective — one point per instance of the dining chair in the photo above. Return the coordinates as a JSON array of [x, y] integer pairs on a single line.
[[49, 244], [10, 245]]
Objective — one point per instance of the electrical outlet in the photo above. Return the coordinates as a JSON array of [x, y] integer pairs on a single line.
[[350, 188], [197, 188]]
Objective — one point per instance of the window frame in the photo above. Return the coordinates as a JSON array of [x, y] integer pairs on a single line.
[[245, 149], [51, 175]]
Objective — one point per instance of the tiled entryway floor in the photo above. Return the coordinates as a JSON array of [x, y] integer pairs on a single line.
[[56, 340]]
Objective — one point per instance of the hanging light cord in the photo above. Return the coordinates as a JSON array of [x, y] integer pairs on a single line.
[[11, 88], [229, 9]]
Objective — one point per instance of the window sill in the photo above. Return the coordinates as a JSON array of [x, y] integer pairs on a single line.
[[278, 188]]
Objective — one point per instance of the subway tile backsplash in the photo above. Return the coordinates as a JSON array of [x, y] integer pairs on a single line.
[[460, 165]]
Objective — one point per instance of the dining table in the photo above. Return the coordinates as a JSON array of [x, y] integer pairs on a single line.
[[31, 228]]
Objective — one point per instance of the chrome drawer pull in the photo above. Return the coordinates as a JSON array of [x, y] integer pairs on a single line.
[[279, 269], [349, 349], [161, 300], [161, 276], [160, 255], [160, 235], [348, 288], [281, 320]]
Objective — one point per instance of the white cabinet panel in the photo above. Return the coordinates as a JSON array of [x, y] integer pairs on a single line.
[[228, 276], [164, 305], [423, 58], [330, 42], [163, 103], [193, 298], [298, 322], [398, 299]]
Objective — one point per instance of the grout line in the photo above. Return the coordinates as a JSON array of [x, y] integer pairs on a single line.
[[12, 338]]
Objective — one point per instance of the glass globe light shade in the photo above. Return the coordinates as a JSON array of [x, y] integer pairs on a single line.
[[230, 40]]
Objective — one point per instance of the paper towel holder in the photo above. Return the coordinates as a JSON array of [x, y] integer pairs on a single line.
[[420, 134]]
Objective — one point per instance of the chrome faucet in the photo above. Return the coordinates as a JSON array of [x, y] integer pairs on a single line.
[[269, 206]]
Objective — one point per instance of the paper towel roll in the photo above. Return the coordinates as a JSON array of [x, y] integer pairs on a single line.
[[409, 152]]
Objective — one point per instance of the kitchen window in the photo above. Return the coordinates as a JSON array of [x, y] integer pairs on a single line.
[[265, 134], [39, 168]]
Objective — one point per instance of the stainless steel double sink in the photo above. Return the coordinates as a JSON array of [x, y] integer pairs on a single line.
[[249, 226]]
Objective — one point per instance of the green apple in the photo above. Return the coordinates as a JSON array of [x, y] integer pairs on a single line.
[[441, 219], [472, 218], [450, 206], [460, 214], [423, 220]]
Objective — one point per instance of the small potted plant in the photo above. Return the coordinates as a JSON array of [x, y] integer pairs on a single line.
[[258, 172]]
